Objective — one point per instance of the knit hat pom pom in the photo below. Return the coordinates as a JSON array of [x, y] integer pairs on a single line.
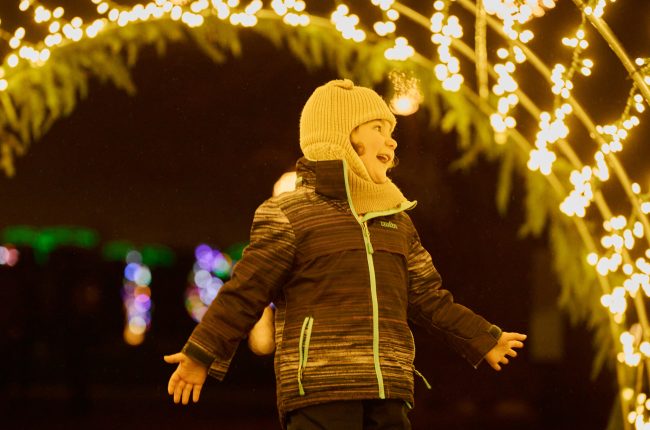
[[346, 84]]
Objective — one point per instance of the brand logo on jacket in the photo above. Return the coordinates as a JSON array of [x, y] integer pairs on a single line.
[[388, 224]]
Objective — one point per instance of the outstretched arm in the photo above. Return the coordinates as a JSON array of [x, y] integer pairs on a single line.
[[434, 308], [257, 278], [187, 379], [504, 348]]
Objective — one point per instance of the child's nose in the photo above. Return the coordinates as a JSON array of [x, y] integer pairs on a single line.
[[391, 143]]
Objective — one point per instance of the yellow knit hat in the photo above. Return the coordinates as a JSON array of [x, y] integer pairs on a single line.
[[326, 122], [330, 115]]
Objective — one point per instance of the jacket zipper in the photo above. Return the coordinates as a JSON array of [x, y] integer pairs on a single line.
[[363, 221], [366, 237], [375, 309], [303, 350]]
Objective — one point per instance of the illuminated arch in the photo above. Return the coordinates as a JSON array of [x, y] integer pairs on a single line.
[[601, 259]]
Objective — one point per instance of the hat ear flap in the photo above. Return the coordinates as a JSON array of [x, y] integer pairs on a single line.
[[355, 163]]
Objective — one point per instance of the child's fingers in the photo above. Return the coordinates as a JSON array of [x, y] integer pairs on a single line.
[[197, 393], [171, 385], [517, 344], [178, 392], [186, 394], [173, 358], [512, 353]]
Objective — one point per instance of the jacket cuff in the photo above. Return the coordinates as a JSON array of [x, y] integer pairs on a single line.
[[495, 331], [218, 369], [198, 354], [480, 346]]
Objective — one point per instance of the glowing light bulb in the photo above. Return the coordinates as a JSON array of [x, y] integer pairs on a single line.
[[401, 51], [12, 60], [592, 258]]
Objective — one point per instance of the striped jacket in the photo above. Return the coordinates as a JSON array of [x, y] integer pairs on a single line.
[[344, 288]]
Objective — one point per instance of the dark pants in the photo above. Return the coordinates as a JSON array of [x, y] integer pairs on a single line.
[[351, 415]]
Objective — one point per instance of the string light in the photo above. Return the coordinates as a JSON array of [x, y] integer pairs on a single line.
[[347, 23], [383, 4], [445, 27], [401, 51], [513, 16], [599, 9], [553, 128], [386, 27], [291, 12]]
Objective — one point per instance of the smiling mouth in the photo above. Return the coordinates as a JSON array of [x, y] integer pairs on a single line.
[[384, 158]]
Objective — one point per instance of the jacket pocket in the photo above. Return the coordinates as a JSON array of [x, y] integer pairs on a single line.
[[303, 350]]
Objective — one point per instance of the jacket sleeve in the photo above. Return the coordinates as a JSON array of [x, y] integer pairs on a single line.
[[256, 279], [433, 307]]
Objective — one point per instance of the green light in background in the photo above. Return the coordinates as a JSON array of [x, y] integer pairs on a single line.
[[19, 235], [235, 251], [152, 255], [157, 255], [46, 240], [117, 250]]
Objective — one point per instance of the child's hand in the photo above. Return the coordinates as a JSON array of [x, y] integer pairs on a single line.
[[261, 337], [498, 355], [188, 378]]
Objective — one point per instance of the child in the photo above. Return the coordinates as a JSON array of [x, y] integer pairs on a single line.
[[343, 264]]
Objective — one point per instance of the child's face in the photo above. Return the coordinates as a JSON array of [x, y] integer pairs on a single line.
[[376, 148]]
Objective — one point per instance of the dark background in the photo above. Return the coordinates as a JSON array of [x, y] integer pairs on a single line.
[[186, 162]]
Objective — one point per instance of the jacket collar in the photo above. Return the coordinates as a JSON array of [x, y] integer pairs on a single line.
[[325, 176]]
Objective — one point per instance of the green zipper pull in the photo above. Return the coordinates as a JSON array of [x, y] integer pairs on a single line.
[[301, 355], [423, 378], [366, 232]]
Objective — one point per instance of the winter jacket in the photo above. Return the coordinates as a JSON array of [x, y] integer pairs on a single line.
[[344, 288]]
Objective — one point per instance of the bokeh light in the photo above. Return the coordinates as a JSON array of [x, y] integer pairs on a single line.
[[136, 297], [8, 255], [407, 95], [211, 269]]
